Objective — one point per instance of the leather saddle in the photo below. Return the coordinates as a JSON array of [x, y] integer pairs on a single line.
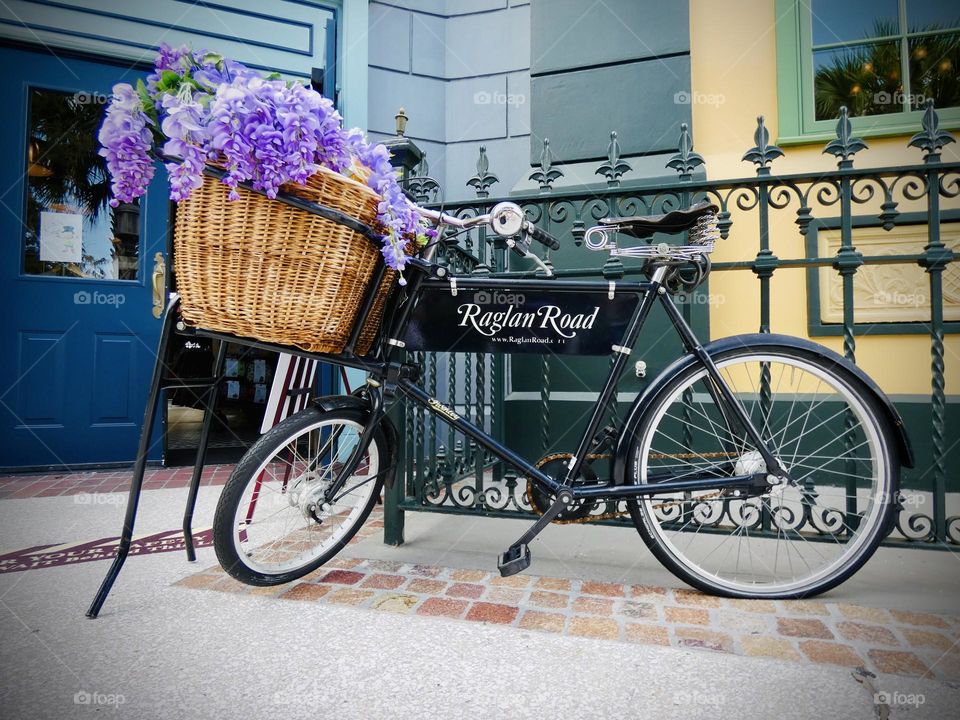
[[676, 221]]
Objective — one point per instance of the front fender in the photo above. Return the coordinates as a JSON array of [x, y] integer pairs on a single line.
[[759, 342], [328, 403]]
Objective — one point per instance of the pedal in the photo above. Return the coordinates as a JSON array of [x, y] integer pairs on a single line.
[[516, 559]]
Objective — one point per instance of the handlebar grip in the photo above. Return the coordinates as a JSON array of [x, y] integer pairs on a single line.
[[542, 236]]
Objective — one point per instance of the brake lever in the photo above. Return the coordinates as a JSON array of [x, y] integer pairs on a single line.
[[523, 250]]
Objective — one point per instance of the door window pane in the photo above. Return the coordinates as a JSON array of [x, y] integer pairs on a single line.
[[69, 228]]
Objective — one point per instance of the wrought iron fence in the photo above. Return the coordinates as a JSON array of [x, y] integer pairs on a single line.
[[444, 473]]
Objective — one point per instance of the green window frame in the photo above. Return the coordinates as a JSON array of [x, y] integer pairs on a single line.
[[795, 100]]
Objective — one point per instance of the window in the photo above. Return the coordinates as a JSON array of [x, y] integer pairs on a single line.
[[881, 59], [69, 228]]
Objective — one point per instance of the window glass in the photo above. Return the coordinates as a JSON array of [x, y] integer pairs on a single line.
[[935, 70], [866, 79], [931, 14], [69, 228], [844, 20]]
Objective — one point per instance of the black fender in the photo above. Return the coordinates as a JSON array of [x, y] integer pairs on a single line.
[[328, 403], [757, 341]]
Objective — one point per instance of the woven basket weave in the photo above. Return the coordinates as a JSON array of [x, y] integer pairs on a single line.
[[262, 269]]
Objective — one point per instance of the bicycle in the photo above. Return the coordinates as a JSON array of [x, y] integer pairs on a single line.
[[753, 466]]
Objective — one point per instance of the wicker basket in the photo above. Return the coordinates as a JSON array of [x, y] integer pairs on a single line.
[[262, 269]]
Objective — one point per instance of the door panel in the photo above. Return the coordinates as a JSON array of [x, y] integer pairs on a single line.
[[78, 338], [42, 363], [114, 359]]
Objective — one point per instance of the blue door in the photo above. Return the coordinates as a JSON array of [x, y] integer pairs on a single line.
[[77, 277]]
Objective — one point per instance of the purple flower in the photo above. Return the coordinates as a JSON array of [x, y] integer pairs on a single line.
[[263, 131], [126, 140]]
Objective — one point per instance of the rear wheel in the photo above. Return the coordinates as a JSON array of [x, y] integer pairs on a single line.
[[274, 522], [795, 539]]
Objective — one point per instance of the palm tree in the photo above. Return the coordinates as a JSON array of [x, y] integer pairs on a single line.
[[868, 79]]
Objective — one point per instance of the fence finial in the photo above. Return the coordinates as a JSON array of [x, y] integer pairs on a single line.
[[762, 153], [614, 167], [547, 174], [931, 138], [484, 178], [846, 145], [686, 159]]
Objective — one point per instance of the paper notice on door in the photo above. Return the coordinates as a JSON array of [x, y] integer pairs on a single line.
[[259, 371], [61, 237]]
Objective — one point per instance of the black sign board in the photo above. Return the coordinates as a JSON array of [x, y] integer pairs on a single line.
[[539, 322]]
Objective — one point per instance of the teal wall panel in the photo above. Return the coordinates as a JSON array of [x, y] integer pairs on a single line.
[[642, 101]]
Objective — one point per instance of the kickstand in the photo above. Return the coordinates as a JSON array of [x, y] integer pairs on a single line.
[[517, 557]]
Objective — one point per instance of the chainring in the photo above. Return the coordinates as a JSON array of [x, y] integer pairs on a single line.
[[584, 510]]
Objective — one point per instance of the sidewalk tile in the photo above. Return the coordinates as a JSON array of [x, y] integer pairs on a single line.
[[702, 638], [593, 606], [537, 620], [554, 584], [688, 616], [870, 634], [830, 653], [384, 582], [793, 627], [306, 591], [594, 627], [395, 602], [426, 587], [492, 612], [769, 647], [445, 607], [916, 618], [602, 588], [646, 634], [465, 590], [897, 662]]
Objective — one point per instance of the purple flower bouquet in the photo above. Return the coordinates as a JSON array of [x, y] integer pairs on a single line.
[[199, 107]]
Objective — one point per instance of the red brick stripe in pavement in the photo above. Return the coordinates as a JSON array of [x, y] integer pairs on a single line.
[[53, 483]]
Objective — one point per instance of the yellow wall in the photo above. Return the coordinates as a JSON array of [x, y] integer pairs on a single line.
[[733, 57]]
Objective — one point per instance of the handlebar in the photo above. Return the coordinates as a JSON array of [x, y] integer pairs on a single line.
[[542, 236], [506, 219]]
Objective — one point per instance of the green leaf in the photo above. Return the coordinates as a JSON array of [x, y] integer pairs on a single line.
[[213, 58], [273, 76], [144, 94]]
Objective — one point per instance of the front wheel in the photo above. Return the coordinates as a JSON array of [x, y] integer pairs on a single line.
[[796, 539], [276, 520]]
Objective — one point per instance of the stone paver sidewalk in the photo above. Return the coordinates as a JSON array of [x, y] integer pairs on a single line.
[[104, 481], [892, 641]]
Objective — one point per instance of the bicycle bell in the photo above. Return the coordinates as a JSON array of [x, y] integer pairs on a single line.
[[506, 219]]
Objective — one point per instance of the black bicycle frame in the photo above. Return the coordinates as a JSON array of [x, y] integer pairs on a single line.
[[650, 292]]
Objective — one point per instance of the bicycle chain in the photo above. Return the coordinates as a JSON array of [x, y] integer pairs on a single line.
[[606, 456]]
